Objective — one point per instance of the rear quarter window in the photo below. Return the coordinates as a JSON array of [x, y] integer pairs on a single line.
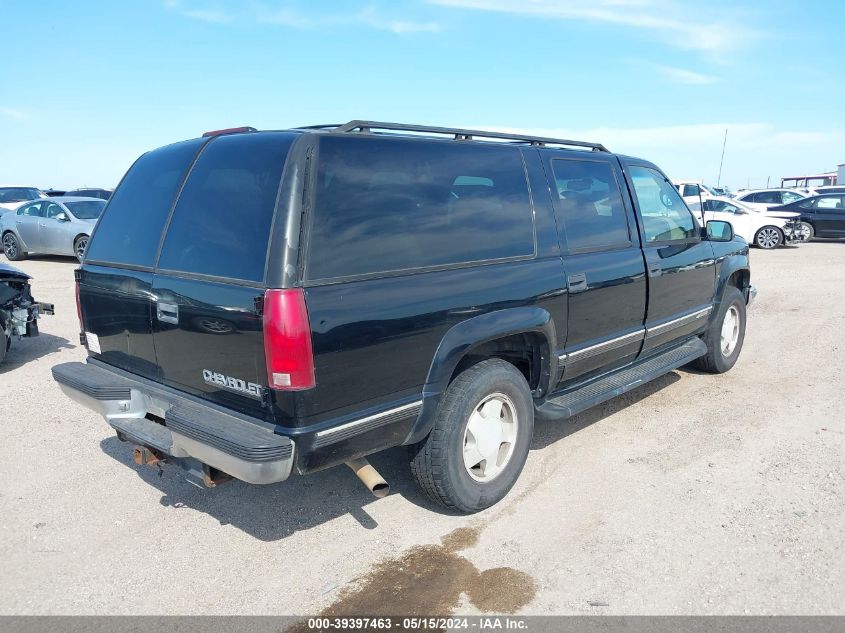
[[221, 223], [385, 205], [130, 229]]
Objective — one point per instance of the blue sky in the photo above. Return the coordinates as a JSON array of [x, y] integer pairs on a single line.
[[88, 86]]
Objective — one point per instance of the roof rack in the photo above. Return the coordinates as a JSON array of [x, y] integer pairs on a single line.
[[366, 127]]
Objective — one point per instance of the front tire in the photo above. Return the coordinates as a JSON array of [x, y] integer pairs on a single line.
[[480, 440], [79, 246], [725, 334], [12, 248], [768, 237]]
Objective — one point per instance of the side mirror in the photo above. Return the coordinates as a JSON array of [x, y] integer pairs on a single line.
[[718, 231], [740, 212], [62, 217]]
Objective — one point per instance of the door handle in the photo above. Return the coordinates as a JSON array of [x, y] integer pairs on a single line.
[[41, 224], [576, 282], [167, 312]]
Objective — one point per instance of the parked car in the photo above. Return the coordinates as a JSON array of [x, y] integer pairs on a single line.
[[19, 312], [829, 189], [55, 226], [763, 229], [763, 199], [102, 194], [692, 191], [12, 197], [385, 284], [821, 216]]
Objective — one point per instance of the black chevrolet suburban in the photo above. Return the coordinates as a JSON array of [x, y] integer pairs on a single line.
[[257, 304]]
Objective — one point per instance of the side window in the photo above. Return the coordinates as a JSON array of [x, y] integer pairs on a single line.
[[768, 197], [664, 214], [590, 205], [829, 202], [691, 190], [30, 210], [129, 232], [390, 205], [788, 197], [221, 224], [52, 210]]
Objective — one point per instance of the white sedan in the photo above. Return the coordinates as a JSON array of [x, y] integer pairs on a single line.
[[766, 229]]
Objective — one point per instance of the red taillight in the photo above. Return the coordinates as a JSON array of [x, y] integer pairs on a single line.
[[79, 308], [287, 340]]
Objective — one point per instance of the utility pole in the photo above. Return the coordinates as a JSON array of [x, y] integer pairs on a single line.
[[725, 142]]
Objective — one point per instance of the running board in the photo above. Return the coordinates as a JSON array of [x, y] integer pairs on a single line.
[[620, 381]]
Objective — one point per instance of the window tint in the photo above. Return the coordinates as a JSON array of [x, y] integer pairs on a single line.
[[16, 194], [130, 230], [768, 197], [665, 216], [51, 210], [221, 224], [829, 202], [387, 204], [30, 210], [691, 190], [86, 209], [590, 205]]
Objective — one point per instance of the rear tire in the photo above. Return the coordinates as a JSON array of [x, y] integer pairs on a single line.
[[807, 232], [480, 440], [725, 334], [12, 248], [769, 237]]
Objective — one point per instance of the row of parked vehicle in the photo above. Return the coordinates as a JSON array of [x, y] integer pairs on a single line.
[[769, 218], [31, 221]]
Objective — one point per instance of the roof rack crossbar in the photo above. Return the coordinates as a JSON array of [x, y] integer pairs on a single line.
[[459, 134]]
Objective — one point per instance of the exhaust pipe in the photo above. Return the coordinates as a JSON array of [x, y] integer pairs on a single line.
[[369, 476]]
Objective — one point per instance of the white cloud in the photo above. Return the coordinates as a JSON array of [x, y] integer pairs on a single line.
[[13, 113], [684, 76], [683, 27], [208, 15]]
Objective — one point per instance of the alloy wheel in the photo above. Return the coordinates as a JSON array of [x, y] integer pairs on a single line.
[[490, 437]]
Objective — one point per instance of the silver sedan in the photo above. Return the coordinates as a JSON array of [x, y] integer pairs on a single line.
[[54, 226]]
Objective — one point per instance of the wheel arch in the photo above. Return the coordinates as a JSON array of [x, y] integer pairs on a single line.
[[527, 334], [735, 271]]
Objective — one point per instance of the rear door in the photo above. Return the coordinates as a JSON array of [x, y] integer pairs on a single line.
[[26, 224], [830, 216], [115, 282], [681, 267], [209, 283], [605, 272]]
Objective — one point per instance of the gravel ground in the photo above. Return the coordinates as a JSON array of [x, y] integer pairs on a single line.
[[695, 494]]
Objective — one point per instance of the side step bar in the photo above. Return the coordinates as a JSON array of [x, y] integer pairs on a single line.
[[620, 381]]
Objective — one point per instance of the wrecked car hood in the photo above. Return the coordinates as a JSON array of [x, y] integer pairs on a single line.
[[11, 271]]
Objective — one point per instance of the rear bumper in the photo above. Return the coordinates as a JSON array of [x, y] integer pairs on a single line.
[[244, 448]]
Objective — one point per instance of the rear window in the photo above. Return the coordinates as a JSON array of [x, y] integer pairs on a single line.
[[130, 230], [86, 209], [389, 205], [221, 224]]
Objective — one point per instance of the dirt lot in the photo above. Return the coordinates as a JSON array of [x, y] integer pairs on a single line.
[[692, 495]]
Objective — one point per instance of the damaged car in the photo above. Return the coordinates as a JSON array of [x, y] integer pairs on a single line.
[[19, 312]]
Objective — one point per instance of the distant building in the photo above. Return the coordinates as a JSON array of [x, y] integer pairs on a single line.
[[840, 179]]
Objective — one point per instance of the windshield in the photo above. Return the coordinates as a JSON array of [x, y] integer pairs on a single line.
[[19, 194], [86, 209]]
